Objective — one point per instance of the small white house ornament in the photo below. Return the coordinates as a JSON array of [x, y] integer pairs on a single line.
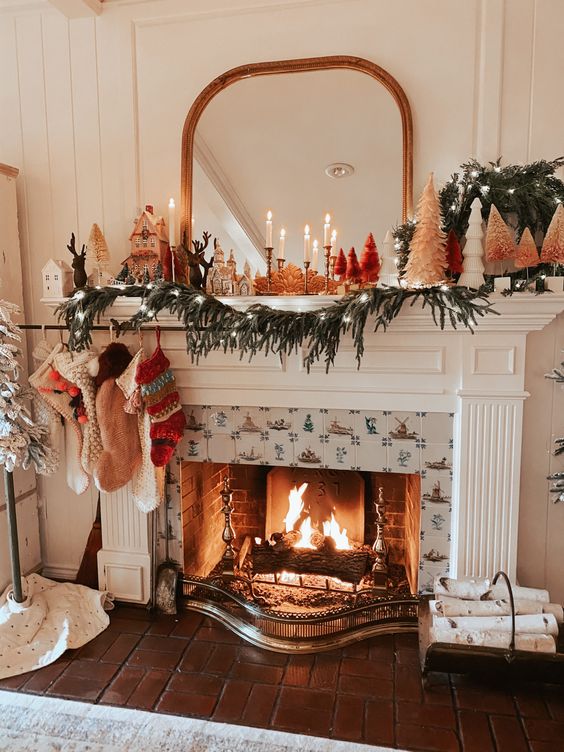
[[57, 279]]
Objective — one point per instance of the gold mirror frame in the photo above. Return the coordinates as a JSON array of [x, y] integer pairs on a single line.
[[302, 65]]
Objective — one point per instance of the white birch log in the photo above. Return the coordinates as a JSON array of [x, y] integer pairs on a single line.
[[470, 588], [447, 606], [536, 643], [528, 624]]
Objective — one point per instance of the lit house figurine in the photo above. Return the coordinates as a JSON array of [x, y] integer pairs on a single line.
[[57, 279], [148, 246], [223, 278]]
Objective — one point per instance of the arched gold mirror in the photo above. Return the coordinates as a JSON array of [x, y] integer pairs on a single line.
[[337, 139]]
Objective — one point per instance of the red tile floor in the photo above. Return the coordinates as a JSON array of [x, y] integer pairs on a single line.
[[370, 692]]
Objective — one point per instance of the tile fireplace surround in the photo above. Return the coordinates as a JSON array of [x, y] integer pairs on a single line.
[[462, 395]]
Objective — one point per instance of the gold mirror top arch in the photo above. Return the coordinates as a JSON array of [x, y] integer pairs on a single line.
[[300, 65]]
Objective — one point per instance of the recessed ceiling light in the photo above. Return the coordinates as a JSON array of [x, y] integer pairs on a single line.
[[339, 170]]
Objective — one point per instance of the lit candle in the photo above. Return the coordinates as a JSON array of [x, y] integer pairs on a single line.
[[269, 229], [307, 254], [315, 255], [327, 230], [171, 223], [282, 243], [334, 243]]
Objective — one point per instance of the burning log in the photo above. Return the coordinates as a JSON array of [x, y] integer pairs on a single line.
[[350, 565]]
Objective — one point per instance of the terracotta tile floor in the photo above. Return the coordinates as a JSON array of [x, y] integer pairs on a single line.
[[371, 692]]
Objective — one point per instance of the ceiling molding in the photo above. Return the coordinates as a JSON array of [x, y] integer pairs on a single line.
[[211, 167], [23, 6], [78, 8]]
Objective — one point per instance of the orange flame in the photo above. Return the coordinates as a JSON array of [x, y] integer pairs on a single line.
[[331, 528]]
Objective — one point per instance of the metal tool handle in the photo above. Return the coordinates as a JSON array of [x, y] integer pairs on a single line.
[[512, 603]]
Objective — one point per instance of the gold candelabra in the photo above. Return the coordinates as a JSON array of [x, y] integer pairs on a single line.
[[280, 262], [306, 267], [327, 249]]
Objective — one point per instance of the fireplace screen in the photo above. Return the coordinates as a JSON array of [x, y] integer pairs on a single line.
[[299, 544]]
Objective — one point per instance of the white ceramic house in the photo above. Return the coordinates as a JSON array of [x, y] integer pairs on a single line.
[[57, 279]]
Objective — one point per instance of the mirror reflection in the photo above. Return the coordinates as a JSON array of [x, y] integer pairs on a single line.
[[301, 146]]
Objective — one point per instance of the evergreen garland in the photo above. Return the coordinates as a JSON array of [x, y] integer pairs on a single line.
[[529, 191], [211, 325]]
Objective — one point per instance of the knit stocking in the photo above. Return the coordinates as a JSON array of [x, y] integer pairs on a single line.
[[162, 403]]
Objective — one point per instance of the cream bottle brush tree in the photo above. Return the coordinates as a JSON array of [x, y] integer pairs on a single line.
[[500, 246], [98, 252], [527, 254], [553, 245], [427, 263], [472, 266]]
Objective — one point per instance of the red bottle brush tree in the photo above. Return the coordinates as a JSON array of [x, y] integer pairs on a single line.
[[553, 245], [340, 264], [499, 243], [453, 254], [353, 273], [370, 261], [527, 254]]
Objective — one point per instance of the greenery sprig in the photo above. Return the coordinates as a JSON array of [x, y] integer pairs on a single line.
[[526, 195], [212, 325]]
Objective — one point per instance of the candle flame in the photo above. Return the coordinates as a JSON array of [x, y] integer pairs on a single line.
[[269, 215], [282, 233], [315, 244], [327, 219], [334, 235], [306, 230], [171, 204]]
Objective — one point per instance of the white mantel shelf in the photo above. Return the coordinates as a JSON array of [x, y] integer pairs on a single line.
[[521, 312]]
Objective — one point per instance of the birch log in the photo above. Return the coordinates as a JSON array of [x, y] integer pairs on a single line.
[[536, 643], [446, 606], [528, 624], [475, 589]]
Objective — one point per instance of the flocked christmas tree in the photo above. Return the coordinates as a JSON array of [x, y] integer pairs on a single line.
[[453, 254], [527, 254], [553, 245], [427, 264], [499, 242], [353, 273], [22, 443], [98, 251], [370, 261], [340, 265]]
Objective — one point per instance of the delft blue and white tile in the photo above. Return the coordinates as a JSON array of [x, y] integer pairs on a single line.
[[279, 421], [436, 521], [196, 420], [250, 449], [340, 424], [340, 453], [427, 574], [250, 421], [221, 448], [438, 428], [278, 448], [434, 551], [371, 425], [404, 426], [404, 456], [437, 460], [223, 419], [436, 493], [309, 423], [372, 455], [309, 450]]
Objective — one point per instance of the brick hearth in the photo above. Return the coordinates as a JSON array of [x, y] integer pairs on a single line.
[[370, 692]]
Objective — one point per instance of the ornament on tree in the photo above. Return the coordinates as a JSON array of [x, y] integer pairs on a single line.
[[499, 243], [123, 275], [472, 267], [453, 253], [353, 272], [340, 268], [427, 264], [389, 269], [97, 250], [527, 254], [553, 245], [370, 261]]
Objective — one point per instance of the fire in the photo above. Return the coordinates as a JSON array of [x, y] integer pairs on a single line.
[[331, 528]]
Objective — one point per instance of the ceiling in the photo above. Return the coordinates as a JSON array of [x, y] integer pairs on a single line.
[[270, 139]]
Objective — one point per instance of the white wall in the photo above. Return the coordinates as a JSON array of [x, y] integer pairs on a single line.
[[93, 112]]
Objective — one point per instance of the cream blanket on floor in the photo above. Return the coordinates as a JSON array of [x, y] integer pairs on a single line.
[[55, 616]]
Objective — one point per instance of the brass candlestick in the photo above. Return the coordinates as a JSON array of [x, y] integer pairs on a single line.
[[228, 535], [333, 261], [268, 268], [327, 249], [306, 267], [380, 548], [280, 262]]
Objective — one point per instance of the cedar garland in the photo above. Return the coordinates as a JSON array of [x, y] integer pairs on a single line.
[[212, 325]]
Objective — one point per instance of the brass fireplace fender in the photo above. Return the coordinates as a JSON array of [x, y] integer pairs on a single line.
[[300, 65]]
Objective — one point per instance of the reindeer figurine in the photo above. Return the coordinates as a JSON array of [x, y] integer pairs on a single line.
[[80, 278], [196, 259]]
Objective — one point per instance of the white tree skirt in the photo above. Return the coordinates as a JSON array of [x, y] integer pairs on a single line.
[[55, 616], [43, 724]]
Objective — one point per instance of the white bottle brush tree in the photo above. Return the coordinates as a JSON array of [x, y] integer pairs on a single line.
[[98, 252], [22, 442], [427, 262]]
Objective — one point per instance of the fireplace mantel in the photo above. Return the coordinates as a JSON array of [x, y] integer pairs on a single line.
[[413, 366]]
